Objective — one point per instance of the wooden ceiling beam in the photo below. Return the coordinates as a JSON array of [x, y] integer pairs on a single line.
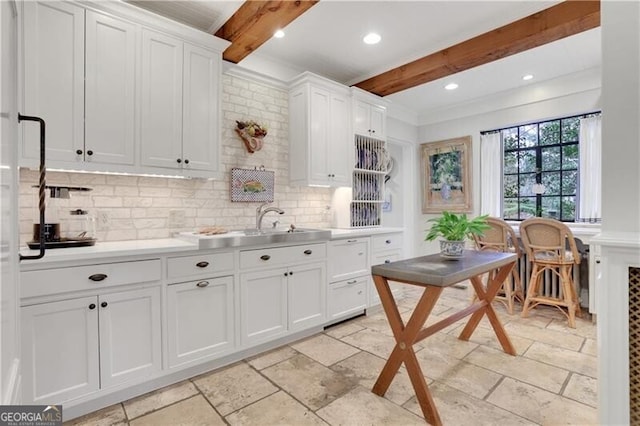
[[255, 22], [562, 20]]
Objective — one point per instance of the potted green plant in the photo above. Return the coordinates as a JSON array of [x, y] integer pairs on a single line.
[[455, 229]]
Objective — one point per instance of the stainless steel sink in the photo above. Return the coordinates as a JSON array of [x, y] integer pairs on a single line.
[[253, 237]]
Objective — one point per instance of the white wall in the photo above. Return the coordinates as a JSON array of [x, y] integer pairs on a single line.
[[569, 95]]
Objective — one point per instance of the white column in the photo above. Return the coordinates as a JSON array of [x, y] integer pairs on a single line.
[[620, 237]]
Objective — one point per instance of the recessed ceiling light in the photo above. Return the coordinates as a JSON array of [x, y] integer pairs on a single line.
[[278, 34], [372, 38], [451, 86], [527, 77]]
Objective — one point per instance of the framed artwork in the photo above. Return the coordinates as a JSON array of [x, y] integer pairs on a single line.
[[446, 175], [252, 185]]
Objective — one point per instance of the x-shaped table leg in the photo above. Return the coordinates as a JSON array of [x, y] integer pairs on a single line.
[[403, 351]]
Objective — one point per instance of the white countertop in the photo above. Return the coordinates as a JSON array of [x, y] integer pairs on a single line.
[[102, 250], [337, 233], [113, 249]]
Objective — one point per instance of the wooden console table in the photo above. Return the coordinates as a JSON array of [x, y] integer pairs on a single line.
[[434, 273]]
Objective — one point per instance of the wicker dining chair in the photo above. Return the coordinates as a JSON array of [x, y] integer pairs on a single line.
[[501, 237], [552, 250]]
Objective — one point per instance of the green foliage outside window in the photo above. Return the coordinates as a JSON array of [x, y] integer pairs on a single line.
[[544, 153]]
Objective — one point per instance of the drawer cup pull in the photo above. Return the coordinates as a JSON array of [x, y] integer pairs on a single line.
[[202, 264], [97, 277], [265, 257], [202, 284], [352, 282], [308, 252], [352, 241], [388, 241], [387, 261]]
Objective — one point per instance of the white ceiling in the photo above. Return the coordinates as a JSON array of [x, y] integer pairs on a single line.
[[327, 40]]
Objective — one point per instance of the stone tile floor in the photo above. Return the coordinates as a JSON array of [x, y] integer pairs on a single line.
[[327, 378]]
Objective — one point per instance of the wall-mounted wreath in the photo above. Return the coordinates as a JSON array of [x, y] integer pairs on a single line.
[[252, 134]]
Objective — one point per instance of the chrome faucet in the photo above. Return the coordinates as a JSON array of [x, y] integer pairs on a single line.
[[260, 214]]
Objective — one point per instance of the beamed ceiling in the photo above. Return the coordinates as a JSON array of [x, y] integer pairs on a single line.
[[255, 22]]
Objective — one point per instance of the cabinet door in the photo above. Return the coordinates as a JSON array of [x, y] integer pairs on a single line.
[[361, 119], [59, 350], [200, 122], [263, 305], [377, 120], [200, 319], [348, 258], [307, 296], [53, 80], [319, 136], [110, 82], [129, 335], [339, 144], [161, 97]]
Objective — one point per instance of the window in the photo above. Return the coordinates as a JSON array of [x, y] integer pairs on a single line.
[[540, 169]]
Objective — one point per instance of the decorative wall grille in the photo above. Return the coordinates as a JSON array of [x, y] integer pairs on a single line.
[[634, 346]]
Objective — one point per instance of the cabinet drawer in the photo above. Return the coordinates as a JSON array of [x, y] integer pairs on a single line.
[[386, 257], [387, 242], [60, 280], [282, 255], [348, 258], [347, 297], [199, 265]]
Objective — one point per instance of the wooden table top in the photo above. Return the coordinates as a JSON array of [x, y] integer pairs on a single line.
[[438, 271]]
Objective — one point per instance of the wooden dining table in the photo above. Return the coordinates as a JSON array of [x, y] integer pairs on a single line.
[[434, 273]]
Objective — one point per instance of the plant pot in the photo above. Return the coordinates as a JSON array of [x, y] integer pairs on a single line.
[[452, 249]]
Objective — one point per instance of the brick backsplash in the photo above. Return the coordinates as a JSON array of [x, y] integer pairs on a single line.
[[135, 207]]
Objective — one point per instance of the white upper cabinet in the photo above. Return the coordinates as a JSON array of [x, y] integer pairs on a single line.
[[161, 109], [120, 90], [53, 80], [370, 120], [110, 85], [180, 97], [320, 135], [200, 115]]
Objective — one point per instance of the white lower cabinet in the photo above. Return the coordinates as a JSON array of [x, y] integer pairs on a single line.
[[277, 301], [200, 315], [74, 347], [60, 359], [263, 305], [386, 248], [347, 297]]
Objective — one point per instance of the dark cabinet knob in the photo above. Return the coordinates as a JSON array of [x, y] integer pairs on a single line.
[[286, 274], [597, 261], [186, 161], [307, 252], [291, 273], [265, 257], [97, 277], [79, 151], [89, 152], [104, 304], [202, 264], [92, 306], [179, 160], [388, 241], [387, 261], [373, 131]]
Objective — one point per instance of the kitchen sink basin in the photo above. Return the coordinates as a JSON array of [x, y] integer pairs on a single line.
[[253, 237]]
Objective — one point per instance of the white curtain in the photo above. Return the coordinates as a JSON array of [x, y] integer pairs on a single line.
[[590, 169], [491, 174]]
